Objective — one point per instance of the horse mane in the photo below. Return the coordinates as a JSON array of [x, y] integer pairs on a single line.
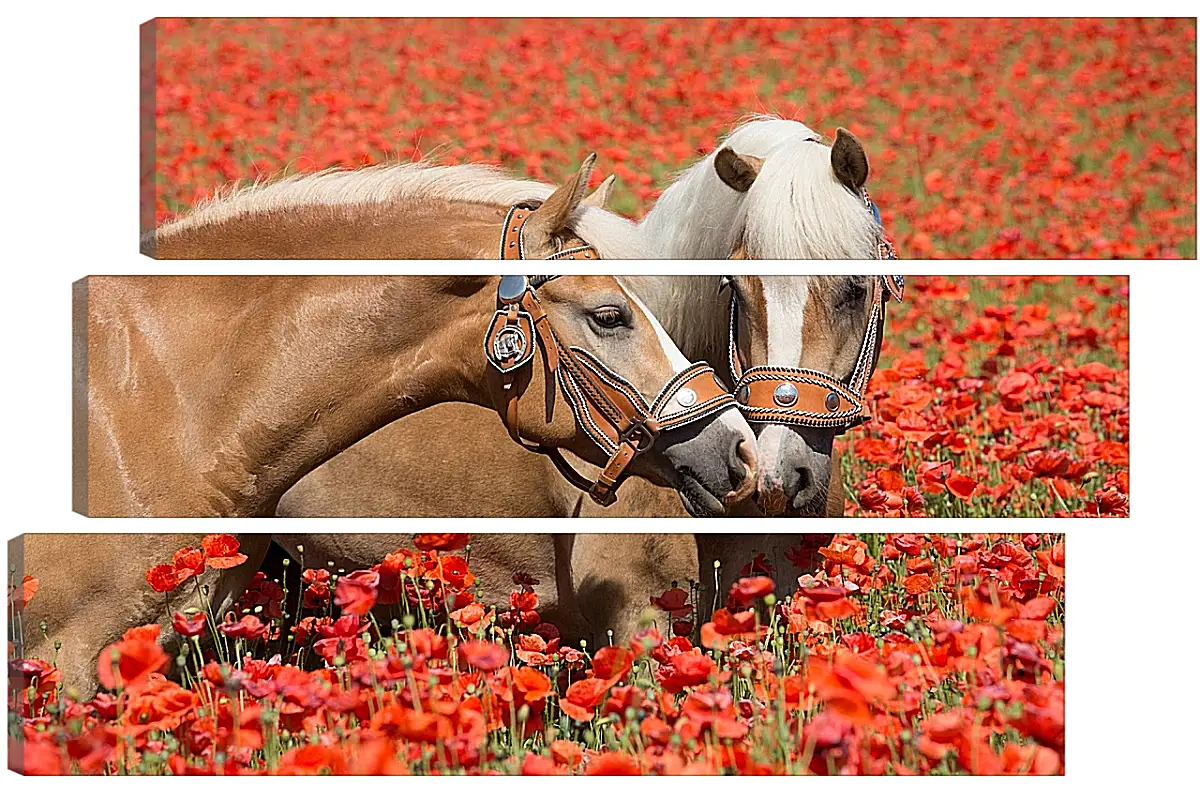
[[390, 183], [794, 209], [692, 310]]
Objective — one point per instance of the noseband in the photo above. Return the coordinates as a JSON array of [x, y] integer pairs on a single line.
[[807, 398], [606, 406]]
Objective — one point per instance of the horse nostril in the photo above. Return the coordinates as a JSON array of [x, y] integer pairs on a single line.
[[743, 472], [805, 477]]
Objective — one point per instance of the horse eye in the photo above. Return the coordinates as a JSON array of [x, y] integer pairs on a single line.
[[608, 317], [854, 295]]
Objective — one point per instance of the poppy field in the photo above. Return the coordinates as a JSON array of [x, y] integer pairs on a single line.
[[988, 138], [897, 654], [997, 397]]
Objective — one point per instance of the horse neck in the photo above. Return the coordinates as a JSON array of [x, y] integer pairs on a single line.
[[281, 374], [697, 217], [398, 229], [692, 309]]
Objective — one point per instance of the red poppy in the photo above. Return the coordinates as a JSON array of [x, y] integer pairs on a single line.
[[248, 627], [188, 563], [691, 668], [535, 764], [918, 584], [747, 590], [582, 697], [612, 664], [221, 550], [129, 663], [29, 587], [161, 578], [532, 684], [356, 593], [483, 656], [612, 763], [441, 541], [961, 486], [674, 601], [189, 627]]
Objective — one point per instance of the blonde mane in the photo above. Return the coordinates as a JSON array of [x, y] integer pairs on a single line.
[[385, 184], [796, 208]]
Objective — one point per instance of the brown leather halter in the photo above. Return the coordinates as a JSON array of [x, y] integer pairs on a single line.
[[512, 239], [804, 397], [609, 409]]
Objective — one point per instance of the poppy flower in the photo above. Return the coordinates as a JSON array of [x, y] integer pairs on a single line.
[[674, 601], [161, 578], [566, 753], [129, 663], [248, 627], [189, 627], [612, 664], [188, 563], [441, 541], [961, 486], [221, 551], [483, 656], [690, 668], [535, 764], [356, 593], [747, 590], [582, 697], [612, 763], [29, 587], [533, 684], [918, 584]]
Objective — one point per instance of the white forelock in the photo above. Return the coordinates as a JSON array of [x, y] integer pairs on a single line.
[[796, 207]]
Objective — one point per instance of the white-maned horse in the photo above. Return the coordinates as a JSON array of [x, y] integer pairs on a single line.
[[773, 190]]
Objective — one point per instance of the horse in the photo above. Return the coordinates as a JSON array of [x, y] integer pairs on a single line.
[[93, 587], [727, 203], [212, 396]]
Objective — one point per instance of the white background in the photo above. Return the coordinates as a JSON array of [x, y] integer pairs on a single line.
[[71, 182]]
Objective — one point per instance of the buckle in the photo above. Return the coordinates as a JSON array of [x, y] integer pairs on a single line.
[[641, 435]]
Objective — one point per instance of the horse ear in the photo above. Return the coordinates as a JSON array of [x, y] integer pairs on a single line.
[[849, 161], [603, 193], [552, 215], [737, 171]]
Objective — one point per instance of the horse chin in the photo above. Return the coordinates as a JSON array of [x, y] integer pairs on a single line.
[[698, 501], [813, 508]]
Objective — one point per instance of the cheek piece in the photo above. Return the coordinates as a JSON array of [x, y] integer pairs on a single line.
[[807, 398], [606, 406]]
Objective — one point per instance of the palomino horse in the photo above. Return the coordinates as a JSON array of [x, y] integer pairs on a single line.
[[259, 380], [212, 396], [93, 587], [820, 324]]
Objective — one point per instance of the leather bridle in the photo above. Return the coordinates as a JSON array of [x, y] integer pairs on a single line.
[[808, 398], [512, 239], [606, 406]]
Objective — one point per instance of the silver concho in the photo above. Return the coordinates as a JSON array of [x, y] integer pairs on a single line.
[[512, 288], [786, 395], [743, 394], [685, 397], [832, 401], [510, 343]]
